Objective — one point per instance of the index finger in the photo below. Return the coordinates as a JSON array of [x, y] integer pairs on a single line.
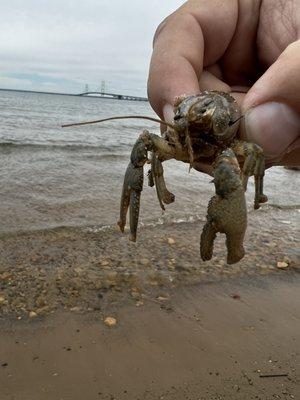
[[196, 35]]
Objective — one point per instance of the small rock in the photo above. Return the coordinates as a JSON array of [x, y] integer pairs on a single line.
[[282, 264], [111, 276], [32, 314], [145, 261], [2, 299], [104, 263], [171, 241], [5, 276], [75, 309], [110, 321], [236, 388], [135, 293], [40, 301], [34, 258], [139, 303], [162, 298]]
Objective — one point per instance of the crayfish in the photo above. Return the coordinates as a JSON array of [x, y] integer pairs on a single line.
[[204, 129]]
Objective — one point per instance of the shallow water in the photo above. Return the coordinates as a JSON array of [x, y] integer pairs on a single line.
[[73, 177]]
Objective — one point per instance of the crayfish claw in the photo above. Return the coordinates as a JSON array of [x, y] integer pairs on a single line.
[[235, 249], [125, 199], [134, 214], [208, 236], [163, 194], [226, 211], [150, 178], [132, 188]]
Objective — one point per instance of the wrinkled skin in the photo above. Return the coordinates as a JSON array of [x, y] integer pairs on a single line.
[[204, 129]]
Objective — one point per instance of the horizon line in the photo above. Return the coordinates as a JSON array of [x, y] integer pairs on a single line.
[[71, 94]]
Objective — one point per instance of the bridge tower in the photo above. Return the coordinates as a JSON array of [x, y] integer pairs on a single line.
[[86, 88]]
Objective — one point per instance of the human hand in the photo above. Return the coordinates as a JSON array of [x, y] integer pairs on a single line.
[[250, 48]]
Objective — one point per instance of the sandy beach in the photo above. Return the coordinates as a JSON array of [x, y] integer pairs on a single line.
[[85, 313], [213, 341], [184, 329]]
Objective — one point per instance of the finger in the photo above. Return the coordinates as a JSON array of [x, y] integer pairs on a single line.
[[175, 67], [178, 54], [207, 81], [272, 109]]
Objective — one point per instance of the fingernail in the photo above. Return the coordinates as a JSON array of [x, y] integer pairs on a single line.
[[273, 126], [168, 112]]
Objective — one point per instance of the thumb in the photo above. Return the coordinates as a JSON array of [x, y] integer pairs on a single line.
[[272, 109]]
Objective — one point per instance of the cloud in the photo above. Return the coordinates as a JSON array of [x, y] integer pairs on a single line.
[[69, 43]]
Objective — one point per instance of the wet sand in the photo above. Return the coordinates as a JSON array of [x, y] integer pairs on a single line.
[[184, 329], [82, 269], [208, 342]]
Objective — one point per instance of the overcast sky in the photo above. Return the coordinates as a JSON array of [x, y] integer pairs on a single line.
[[61, 45]]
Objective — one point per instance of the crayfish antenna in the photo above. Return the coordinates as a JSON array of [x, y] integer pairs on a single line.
[[160, 121], [237, 120]]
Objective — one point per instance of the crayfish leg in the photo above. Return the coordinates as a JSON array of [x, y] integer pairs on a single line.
[[134, 178], [163, 194], [125, 199], [135, 197], [254, 164], [132, 187]]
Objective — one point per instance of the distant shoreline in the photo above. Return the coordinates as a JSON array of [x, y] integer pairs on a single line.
[[38, 92], [61, 94]]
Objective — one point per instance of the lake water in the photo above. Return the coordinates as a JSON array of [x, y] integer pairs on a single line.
[[52, 177]]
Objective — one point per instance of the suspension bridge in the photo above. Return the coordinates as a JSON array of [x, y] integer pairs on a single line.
[[112, 96]]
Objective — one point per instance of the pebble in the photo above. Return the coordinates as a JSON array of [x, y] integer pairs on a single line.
[[282, 264], [40, 301], [111, 276], [145, 261], [162, 298], [104, 263], [2, 299], [32, 314], [75, 309], [5, 276], [236, 388], [171, 241], [110, 321], [135, 293]]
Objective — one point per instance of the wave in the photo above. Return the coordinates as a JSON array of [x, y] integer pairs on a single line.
[[64, 146], [111, 228], [164, 220]]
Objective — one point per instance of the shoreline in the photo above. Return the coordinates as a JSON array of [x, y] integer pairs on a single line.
[[74, 269]]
